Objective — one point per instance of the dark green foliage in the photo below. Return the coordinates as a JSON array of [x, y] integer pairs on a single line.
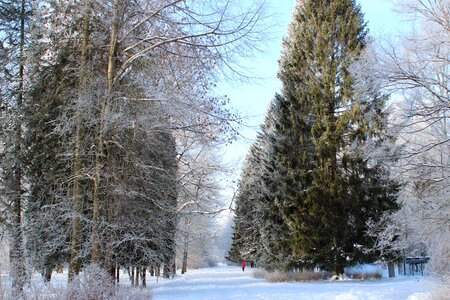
[[139, 167], [332, 192], [142, 192], [275, 235], [14, 32], [48, 167], [321, 187], [260, 233], [246, 234]]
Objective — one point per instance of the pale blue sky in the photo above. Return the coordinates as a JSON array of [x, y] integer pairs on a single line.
[[252, 98]]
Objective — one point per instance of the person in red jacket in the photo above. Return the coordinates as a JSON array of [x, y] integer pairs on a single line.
[[243, 265]]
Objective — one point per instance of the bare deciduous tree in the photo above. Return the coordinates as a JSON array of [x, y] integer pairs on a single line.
[[199, 198], [415, 70]]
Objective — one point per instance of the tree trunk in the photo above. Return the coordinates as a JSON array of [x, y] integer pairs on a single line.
[[77, 198], [118, 273], [112, 269], [16, 252], [48, 272], [391, 268], [338, 269], [100, 150], [144, 277], [152, 270], [60, 268], [131, 275], [166, 270], [174, 268], [185, 258], [17, 257], [399, 266], [169, 268], [138, 271]]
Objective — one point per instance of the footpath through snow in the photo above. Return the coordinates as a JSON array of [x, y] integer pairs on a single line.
[[229, 282]]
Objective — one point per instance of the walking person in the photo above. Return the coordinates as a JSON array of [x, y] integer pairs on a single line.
[[243, 265]]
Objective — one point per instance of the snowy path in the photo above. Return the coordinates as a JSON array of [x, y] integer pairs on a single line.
[[231, 283]]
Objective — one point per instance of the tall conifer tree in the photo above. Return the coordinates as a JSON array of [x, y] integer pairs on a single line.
[[246, 234], [319, 128], [14, 32], [260, 232], [275, 235]]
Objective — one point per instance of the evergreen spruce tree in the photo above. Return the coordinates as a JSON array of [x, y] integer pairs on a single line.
[[246, 234], [48, 167], [14, 43], [260, 232], [326, 190], [275, 248]]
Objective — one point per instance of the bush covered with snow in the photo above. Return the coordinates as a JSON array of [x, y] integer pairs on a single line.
[[95, 283], [92, 283]]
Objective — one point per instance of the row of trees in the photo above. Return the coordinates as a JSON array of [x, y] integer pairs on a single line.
[[326, 184], [106, 107]]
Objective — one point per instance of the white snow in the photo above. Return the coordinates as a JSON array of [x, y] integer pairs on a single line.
[[229, 282]]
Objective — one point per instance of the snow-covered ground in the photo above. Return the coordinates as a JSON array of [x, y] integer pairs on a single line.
[[229, 282]]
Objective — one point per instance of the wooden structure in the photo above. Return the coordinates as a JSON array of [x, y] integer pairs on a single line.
[[416, 264]]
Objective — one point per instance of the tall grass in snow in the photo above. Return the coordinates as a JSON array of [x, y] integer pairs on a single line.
[[92, 283], [290, 276]]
